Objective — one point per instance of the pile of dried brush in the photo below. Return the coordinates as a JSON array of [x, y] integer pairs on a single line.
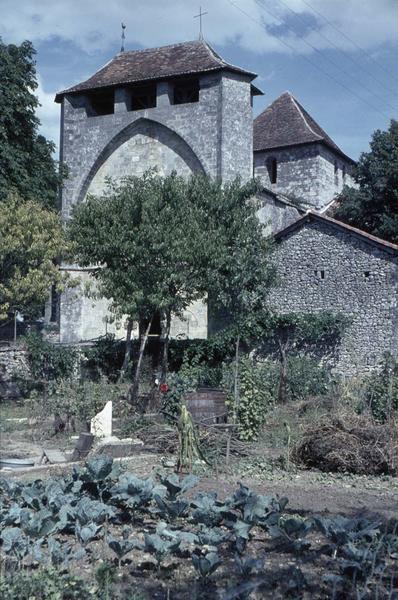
[[162, 438], [349, 444]]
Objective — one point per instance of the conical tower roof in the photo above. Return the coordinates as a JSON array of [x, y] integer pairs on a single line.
[[286, 123]]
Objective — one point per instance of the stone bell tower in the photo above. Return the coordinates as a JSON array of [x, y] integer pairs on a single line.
[[178, 107]]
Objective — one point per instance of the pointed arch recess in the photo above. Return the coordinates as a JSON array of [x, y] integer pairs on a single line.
[[152, 129]]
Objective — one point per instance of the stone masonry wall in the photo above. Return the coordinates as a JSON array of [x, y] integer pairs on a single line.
[[213, 135], [275, 214], [310, 172], [201, 129], [359, 280]]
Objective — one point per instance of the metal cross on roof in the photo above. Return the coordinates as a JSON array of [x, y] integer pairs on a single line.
[[199, 16], [123, 37]]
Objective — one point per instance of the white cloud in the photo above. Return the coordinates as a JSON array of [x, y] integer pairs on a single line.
[[94, 25]]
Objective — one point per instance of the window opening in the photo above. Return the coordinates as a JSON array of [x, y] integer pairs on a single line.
[[186, 92], [102, 102], [143, 97], [272, 167], [320, 273], [366, 274]]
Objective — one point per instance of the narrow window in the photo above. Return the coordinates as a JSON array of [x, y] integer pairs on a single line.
[[102, 102], [143, 97], [366, 274], [320, 274], [272, 167], [186, 92]]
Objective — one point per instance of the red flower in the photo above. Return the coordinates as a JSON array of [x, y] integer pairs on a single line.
[[164, 388]]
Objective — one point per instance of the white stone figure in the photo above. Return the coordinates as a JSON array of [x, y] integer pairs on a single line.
[[101, 424]]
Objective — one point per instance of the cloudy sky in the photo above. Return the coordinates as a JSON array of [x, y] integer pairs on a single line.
[[338, 57]]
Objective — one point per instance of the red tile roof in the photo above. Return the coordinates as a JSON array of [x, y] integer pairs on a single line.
[[286, 123], [187, 58], [314, 216]]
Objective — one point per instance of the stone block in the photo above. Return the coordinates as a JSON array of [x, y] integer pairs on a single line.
[[101, 424], [119, 448], [53, 456]]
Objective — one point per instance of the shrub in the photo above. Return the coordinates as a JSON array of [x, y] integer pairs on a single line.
[[78, 400], [48, 361], [308, 378], [105, 357], [255, 398], [381, 391], [179, 385], [45, 584], [205, 356]]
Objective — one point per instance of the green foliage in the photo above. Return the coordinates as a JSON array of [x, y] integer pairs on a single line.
[[255, 400], [48, 361], [129, 228], [355, 551], [381, 391], [309, 334], [374, 205], [312, 332], [200, 361], [206, 562], [308, 378], [31, 242], [26, 163], [80, 400], [104, 357], [179, 385], [44, 584]]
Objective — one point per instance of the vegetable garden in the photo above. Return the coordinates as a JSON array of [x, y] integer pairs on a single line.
[[125, 537]]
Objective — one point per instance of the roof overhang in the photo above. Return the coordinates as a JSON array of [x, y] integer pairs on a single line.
[[311, 216]]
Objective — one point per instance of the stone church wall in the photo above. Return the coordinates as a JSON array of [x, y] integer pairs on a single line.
[[275, 214], [324, 268], [213, 136], [310, 172]]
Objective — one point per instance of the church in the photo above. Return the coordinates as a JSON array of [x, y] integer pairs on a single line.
[[182, 107]]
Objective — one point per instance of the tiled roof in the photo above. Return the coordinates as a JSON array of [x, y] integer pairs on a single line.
[[187, 58], [315, 216], [286, 123]]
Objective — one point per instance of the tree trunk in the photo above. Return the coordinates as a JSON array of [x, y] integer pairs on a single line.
[[133, 391], [283, 375], [165, 354], [127, 353], [236, 379]]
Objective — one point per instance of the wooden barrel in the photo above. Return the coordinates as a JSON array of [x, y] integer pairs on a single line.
[[207, 405]]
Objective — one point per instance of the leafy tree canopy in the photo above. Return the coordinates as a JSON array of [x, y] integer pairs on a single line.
[[374, 205], [31, 241], [26, 162], [162, 242], [146, 236]]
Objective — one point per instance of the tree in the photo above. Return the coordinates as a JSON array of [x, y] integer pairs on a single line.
[[26, 162], [240, 274], [297, 332], [373, 207], [31, 241], [147, 236]]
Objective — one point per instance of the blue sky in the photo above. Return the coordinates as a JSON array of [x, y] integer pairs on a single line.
[[338, 57]]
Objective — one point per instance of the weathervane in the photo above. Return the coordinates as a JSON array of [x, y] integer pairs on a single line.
[[199, 16], [123, 37]]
